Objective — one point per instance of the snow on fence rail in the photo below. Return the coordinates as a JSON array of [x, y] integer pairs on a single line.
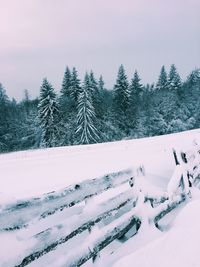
[[18, 215], [186, 175], [44, 224]]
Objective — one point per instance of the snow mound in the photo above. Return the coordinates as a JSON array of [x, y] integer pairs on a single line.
[[178, 247], [189, 217]]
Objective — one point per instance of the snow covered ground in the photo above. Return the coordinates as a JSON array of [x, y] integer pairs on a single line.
[[177, 247], [32, 173]]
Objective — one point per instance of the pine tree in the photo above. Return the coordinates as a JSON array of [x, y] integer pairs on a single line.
[[102, 106], [191, 89], [136, 88], [65, 101], [121, 92], [26, 102], [174, 79], [86, 130], [3, 95], [194, 78], [121, 103], [101, 84], [96, 95], [66, 84], [93, 85], [48, 114], [135, 99], [162, 80], [68, 106], [4, 119], [74, 85]]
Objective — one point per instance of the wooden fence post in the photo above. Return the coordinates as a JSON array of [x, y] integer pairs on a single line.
[[175, 157]]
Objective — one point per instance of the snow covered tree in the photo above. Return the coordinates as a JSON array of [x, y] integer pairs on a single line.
[[135, 99], [4, 119], [194, 78], [136, 86], [96, 96], [68, 106], [102, 107], [101, 83], [93, 84], [121, 102], [86, 130], [135, 90], [3, 96], [174, 79], [121, 92], [191, 89], [48, 114], [74, 85], [66, 84], [65, 100], [162, 80]]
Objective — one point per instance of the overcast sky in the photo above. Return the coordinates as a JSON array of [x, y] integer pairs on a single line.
[[38, 38]]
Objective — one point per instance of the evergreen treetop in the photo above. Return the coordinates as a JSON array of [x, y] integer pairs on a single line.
[[74, 85], [86, 129], [136, 86], [48, 114], [162, 80], [66, 84], [3, 95], [101, 84], [93, 83], [121, 91], [174, 79], [194, 77]]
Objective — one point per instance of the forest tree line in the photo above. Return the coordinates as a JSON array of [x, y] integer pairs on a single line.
[[86, 112]]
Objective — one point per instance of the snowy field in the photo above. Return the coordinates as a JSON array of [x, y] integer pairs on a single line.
[[177, 247], [31, 173]]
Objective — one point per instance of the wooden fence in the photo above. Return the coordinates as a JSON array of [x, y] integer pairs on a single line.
[[95, 212]]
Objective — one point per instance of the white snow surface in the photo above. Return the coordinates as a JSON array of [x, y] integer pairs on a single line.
[[177, 247], [29, 174], [32, 173]]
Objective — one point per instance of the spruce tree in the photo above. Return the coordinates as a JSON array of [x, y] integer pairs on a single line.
[[121, 92], [121, 103], [193, 78], [48, 114], [86, 130], [135, 99], [96, 96], [102, 108], [68, 106], [174, 79], [74, 85], [65, 101], [101, 84], [136, 88], [66, 84], [4, 120], [93, 84], [3, 95], [191, 89], [162, 80]]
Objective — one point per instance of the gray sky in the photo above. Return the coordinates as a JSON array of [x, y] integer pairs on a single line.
[[38, 38]]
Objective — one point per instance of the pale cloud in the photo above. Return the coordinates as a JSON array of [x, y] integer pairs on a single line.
[[40, 37]]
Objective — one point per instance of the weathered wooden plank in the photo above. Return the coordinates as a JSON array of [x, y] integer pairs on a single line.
[[169, 207], [18, 215], [90, 222], [91, 250]]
